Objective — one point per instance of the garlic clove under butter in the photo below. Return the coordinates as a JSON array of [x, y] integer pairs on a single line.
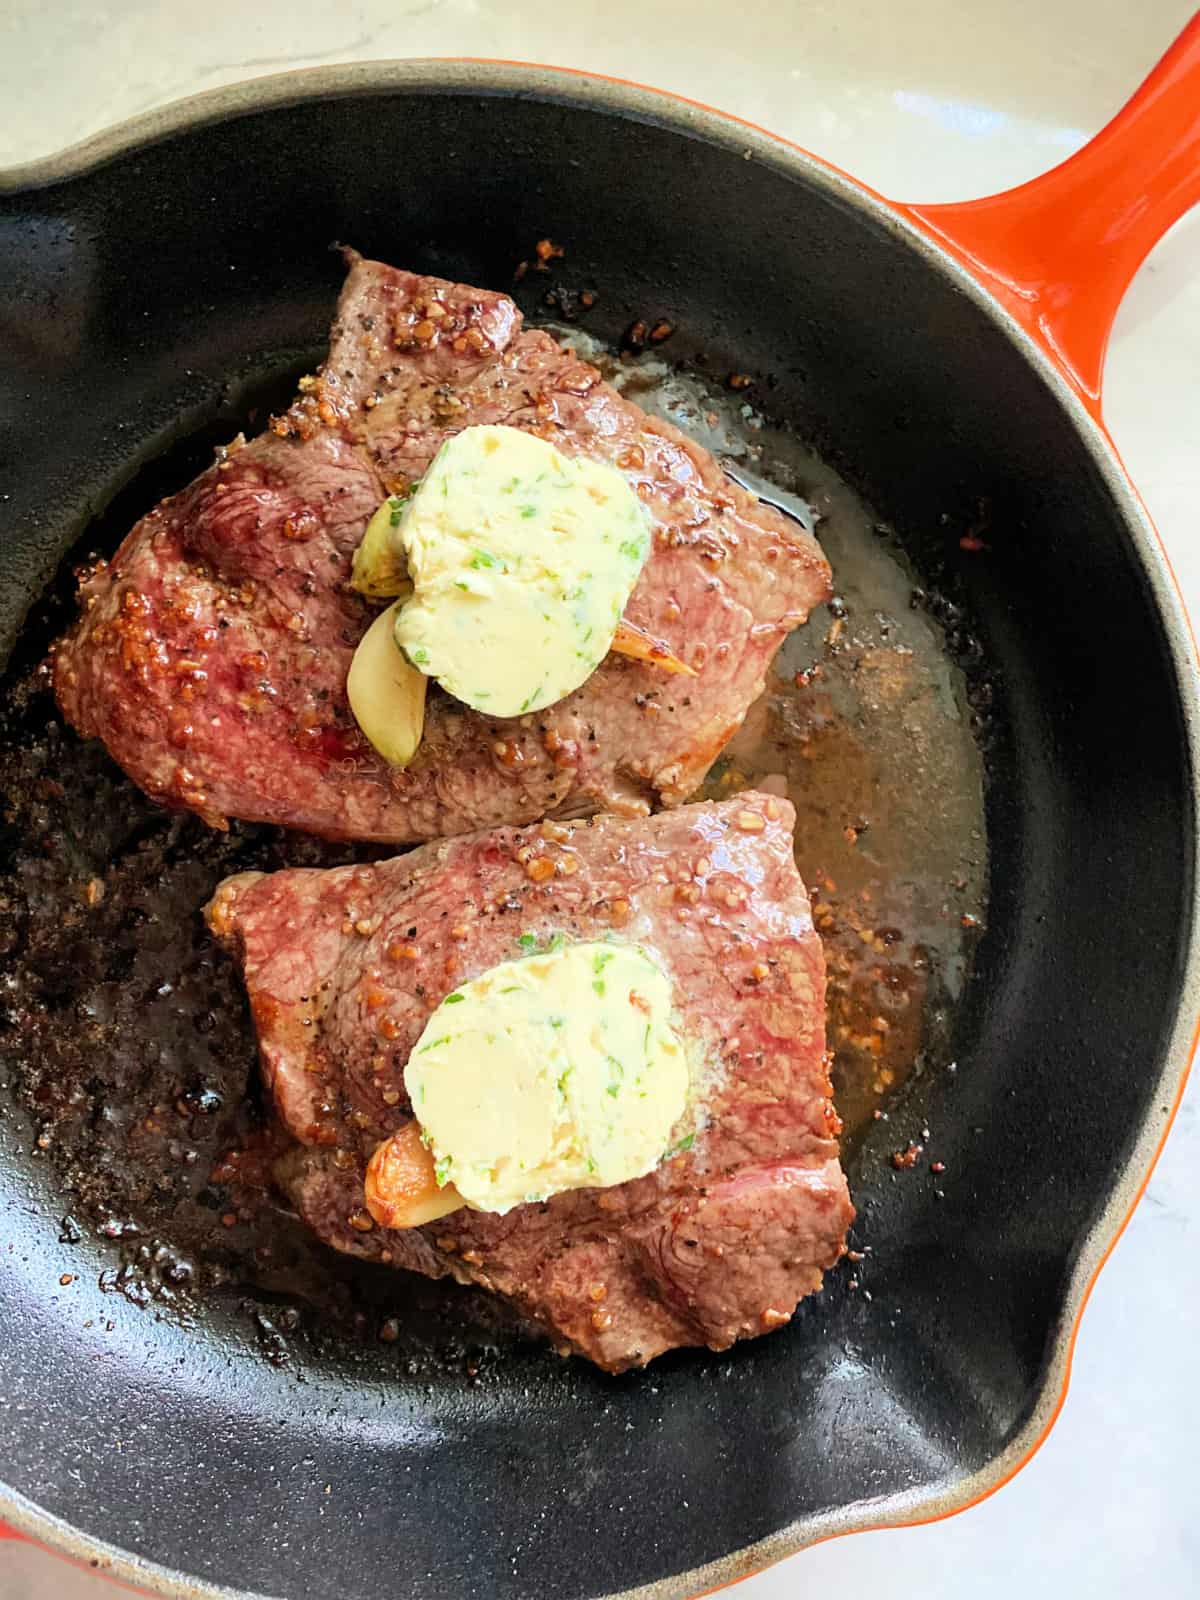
[[380, 568], [386, 692]]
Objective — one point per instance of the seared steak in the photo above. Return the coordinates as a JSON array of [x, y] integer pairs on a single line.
[[211, 653], [343, 968]]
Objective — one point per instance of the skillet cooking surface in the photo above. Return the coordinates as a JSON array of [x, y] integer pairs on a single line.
[[160, 297]]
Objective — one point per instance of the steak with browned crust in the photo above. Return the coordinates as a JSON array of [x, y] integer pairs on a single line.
[[344, 967], [211, 653]]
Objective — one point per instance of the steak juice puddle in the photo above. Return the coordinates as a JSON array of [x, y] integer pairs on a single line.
[[125, 1032]]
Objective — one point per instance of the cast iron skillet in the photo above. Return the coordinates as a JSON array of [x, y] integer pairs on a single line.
[[144, 273]]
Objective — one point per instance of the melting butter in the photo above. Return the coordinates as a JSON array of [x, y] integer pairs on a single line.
[[561, 1070], [522, 560]]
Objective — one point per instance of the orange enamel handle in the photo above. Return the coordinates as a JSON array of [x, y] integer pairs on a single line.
[[1059, 252]]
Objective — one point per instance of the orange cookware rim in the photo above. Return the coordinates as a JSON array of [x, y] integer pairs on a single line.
[[693, 118]]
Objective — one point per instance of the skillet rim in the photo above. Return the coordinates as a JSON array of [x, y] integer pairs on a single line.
[[622, 98]]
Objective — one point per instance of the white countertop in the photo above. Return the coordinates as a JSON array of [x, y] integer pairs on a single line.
[[933, 99]]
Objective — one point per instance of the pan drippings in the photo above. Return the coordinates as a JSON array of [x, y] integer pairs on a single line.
[[868, 728]]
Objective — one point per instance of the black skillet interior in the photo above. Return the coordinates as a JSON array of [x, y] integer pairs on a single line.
[[136, 299]]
